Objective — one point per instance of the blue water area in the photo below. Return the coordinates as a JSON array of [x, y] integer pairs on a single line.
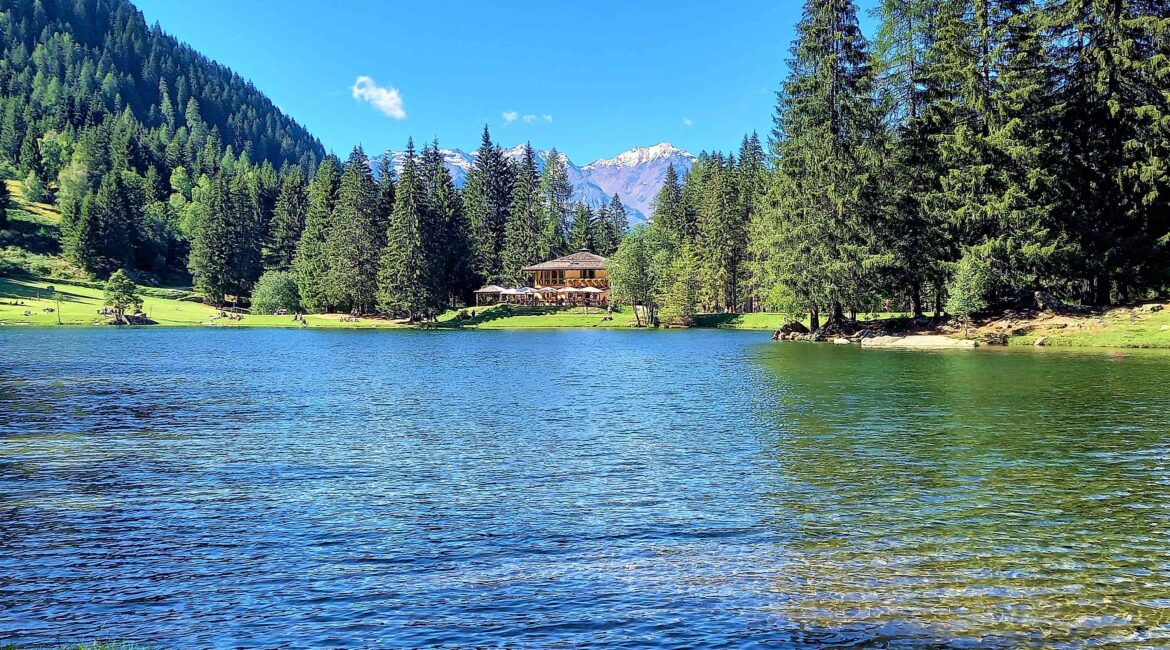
[[281, 488]]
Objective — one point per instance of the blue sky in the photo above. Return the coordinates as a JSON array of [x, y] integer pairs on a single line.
[[592, 78]]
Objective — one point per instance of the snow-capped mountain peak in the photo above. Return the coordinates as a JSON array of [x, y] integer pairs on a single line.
[[635, 175], [642, 156]]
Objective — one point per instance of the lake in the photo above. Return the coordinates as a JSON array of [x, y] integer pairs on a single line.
[[200, 487]]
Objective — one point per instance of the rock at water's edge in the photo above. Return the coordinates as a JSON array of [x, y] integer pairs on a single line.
[[920, 342]]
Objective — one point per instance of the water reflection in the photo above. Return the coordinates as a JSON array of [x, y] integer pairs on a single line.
[[990, 499], [673, 489]]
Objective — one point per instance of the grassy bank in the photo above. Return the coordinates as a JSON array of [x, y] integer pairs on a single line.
[[79, 306], [1124, 327]]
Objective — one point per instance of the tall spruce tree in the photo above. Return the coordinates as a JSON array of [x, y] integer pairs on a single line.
[[487, 198], [353, 244], [311, 263], [668, 212], [1113, 61], [219, 261], [525, 229], [5, 197], [288, 221], [404, 279], [450, 241], [581, 230], [822, 195], [555, 192]]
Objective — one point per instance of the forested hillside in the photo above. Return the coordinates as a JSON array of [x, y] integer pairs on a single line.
[[117, 123]]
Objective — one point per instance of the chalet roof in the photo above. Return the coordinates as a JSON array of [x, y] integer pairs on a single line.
[[579, 260]]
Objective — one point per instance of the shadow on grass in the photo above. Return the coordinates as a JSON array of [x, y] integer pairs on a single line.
[[30, 234], [497, 312], [717, 320], [15, 289]]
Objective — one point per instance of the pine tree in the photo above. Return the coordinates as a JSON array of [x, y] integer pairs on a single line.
[[609, 227], [721, 229], [581, 230], [487, 198], [100, 239], [449, 241], [215, 260], [525, 228], [555, 192], [404, 282], [353, 243], [669, 212], [288, 222], [5, 198], [917, 101], [385, 192], [822, 194], [1112, 57], [311, 262]]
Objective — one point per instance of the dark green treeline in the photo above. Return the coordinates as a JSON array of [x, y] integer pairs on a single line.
[[978, 150]]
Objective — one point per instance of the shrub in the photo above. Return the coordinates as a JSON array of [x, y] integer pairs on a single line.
[[275, 290]]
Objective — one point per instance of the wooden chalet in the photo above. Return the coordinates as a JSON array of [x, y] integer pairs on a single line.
[[579, 279]]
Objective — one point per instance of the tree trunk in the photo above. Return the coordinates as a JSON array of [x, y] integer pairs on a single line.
[[814, 320], [916, 301], [1103, 293]]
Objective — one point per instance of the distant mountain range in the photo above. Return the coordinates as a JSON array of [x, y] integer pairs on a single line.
[[635, 175]]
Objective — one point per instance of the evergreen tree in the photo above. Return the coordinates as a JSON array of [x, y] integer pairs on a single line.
[[721, 234], [487, 198], [609, 227], [5, 198], [385, 192], [822, 201], [669, 212], [450, 243], [311, 262], [581, 230], [525, 227], [34, 188], [353, 243], [404, 282], [1112, 58], [220, 261], [288, 222], [100, 239], [555, 192]]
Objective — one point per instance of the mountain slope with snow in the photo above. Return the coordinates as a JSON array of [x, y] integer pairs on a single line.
[[635, 175]]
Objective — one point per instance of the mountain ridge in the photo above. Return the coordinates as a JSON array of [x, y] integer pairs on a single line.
[[635, 175]]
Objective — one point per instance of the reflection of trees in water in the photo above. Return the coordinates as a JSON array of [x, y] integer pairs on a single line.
[[976, 495]]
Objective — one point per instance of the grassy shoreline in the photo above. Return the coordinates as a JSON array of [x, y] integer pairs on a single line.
[[1123, 327]]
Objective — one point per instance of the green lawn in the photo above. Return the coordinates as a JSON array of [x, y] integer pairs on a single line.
[[79, 306], [1117, 328], [511, 317]]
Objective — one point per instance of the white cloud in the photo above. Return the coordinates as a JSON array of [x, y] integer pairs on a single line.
[[527, 118], [687, 121], [388, 101]]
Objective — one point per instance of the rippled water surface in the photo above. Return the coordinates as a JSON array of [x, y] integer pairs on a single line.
[[269, 488]]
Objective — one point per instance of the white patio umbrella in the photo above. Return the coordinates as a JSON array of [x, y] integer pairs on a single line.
[[589, 291]]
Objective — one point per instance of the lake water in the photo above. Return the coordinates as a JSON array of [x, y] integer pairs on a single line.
[[281, 488]]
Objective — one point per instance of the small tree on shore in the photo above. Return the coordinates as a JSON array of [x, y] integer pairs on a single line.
[[276, 290], [121, 295], [967, 291]]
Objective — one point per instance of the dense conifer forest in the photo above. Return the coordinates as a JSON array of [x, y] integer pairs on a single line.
[[969, 155]]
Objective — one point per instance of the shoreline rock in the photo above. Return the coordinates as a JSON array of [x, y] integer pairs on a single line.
[[920, 342]]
